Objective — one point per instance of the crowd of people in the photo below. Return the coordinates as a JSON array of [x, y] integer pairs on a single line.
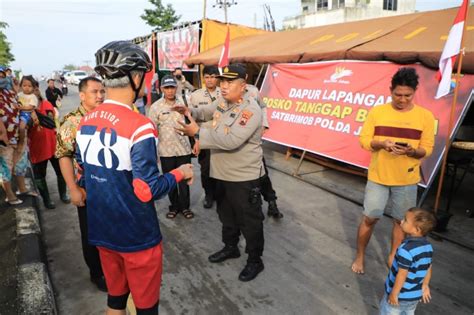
[[108, 151], [28, 137]]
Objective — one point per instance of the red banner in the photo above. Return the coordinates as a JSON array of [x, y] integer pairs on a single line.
[[147, 46], [176, 46], [320, 107]]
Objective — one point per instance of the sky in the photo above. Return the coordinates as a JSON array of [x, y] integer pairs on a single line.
[[45, 35]]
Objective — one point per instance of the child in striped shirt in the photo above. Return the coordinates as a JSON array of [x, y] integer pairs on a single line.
[[408, 279]]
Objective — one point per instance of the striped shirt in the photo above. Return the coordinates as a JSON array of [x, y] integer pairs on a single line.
[[415, 127], [414, 255]]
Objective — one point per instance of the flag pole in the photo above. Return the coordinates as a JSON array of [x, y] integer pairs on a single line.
[[451, 116]]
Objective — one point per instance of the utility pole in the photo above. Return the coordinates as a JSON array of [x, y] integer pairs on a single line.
[[270, 18], [224, 4]]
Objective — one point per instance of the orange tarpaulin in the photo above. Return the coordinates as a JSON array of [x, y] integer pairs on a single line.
[[410, 38], [214, 32]]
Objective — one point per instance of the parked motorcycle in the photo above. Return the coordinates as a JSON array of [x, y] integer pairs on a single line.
[[64, 88]]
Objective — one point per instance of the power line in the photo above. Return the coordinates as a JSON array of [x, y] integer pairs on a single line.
[[224, 4]]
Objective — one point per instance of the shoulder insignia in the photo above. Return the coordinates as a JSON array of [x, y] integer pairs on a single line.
[[246, 115], [221, 107]]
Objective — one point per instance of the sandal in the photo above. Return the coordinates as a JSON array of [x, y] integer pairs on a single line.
[[27, 193], [188, 214], [172, 214], [14, 202]]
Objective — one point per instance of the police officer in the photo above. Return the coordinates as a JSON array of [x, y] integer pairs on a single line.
[[184, 87], [234, 137], [202, 97], [269, 194]]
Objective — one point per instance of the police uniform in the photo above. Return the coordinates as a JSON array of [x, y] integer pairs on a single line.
[[269, 194], [204, 97], [252, 91], [234, 138], [183, 85]]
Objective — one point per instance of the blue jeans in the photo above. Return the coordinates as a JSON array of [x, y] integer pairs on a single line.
[[403, 307], [142, 110]]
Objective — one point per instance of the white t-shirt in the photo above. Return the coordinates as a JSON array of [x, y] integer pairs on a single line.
[[28, 99]]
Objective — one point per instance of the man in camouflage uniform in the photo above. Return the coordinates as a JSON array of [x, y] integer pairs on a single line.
[[205, 97], [91, 93], [234, 137]]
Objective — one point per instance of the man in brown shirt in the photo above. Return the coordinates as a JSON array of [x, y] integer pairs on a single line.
[[174, 149]]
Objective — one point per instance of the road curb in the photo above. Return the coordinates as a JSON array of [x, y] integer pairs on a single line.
[[35, 292]]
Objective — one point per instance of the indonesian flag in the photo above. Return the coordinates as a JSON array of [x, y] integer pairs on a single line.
[[225, 53], [451, 50]]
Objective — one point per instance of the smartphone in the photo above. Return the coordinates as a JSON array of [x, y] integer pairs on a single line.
[[402, 144]]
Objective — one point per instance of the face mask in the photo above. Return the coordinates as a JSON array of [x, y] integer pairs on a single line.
[[179, 76]]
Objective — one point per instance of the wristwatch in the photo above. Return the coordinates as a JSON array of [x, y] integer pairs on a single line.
[[196, 135]]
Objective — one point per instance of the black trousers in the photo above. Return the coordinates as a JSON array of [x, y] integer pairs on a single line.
[[239, 206], [90, 252], [39, 169], [268, 192], [179, 197], [208, 183]]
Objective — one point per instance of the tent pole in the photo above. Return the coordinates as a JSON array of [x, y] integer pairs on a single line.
[[450, 128], [451, 117], [260, 74], [204, 11], [299, 164]]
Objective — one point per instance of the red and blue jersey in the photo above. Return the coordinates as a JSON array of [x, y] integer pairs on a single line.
[[116, 149]]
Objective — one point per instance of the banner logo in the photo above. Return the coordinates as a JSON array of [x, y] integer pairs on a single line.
[[340, 73]]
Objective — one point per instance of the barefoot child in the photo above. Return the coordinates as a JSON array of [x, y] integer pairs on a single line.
[[408, 279]]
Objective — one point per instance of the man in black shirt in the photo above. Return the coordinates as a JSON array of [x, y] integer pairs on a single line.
[[52, 93]]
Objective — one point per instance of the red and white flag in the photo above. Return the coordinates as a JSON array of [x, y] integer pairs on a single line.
[[451, 51], [225, 53]]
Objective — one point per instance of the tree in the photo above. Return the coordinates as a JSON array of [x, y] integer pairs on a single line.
[[161, 17], [69, 67], [5, 54]]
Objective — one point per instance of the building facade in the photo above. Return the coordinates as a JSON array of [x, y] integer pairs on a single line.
[[324, 12]]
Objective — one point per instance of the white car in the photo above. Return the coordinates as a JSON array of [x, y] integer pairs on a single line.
[[68, 77], [76, 76]]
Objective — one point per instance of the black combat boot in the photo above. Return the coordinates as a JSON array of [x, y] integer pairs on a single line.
[[208, 201], [43, 189], [62, 188], [226, 253], [251, 270], [273, 210]]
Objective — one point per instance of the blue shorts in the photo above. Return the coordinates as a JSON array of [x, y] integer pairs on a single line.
[[25, 117], [377, 196], [6, 164], [403, 307]]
